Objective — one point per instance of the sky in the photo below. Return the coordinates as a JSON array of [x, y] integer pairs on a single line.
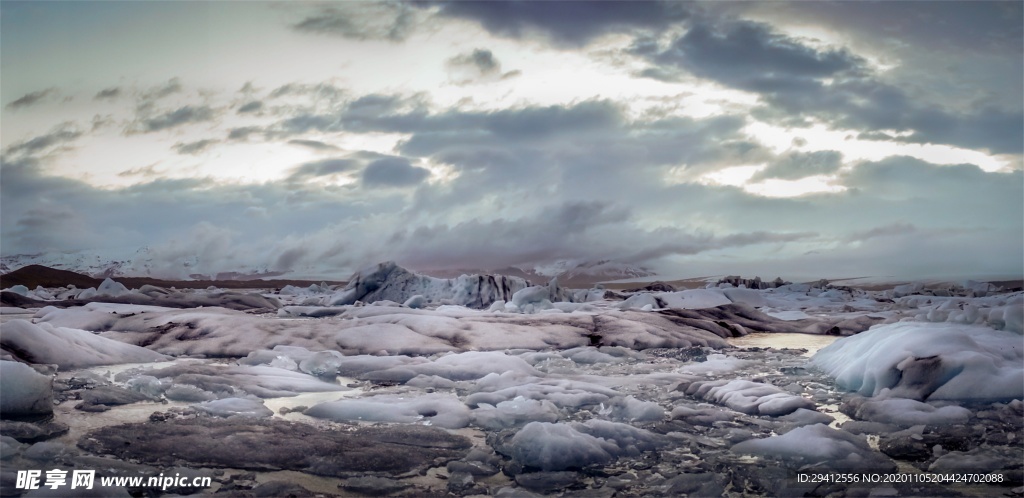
[[800, 139]]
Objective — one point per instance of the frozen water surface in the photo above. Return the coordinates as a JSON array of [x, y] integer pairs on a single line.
[[477, 387]]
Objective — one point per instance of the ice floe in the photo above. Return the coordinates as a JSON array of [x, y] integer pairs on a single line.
[[24, 392], [67, 347], [441, 410], [559, 446], [821, 448], [930, 361]]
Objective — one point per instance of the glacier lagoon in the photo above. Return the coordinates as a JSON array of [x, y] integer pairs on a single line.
[[402, 384]]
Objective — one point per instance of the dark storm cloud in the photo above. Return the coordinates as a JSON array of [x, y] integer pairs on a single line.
[[108, 93], [907, 178], [587, 230], [752, 56], [389, 113], [958, 25], [998, 130], [250, 107], [506, 242], [689, 244], [194, 147], [797, 165], [304, 123], [515, 150], [314, 144], [393, 172], [64, 133], [171, 217], [833, 85], [243, 132], [171, 119], [567, 23], [482, 59], [323, 167], [31, 99], [586, 138], [362, 21], [479, 65], [172, 86], [377, 113], [52, 228], [39, 212], [639, 219]]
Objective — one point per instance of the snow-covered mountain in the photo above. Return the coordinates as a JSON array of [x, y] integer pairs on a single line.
[[141, 262], [128, 262], [95, 263]]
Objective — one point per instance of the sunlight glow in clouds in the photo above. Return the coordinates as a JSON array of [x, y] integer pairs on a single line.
[[819, 137], [792, 188]]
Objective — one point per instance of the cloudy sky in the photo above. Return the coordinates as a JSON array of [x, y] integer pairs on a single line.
[[804, 139]]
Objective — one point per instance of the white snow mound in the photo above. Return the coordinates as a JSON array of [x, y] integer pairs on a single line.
[[69, 348], [928, 361]]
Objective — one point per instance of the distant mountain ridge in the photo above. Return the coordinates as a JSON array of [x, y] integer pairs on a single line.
[[34, 275], [139, 263], [127, 263], [92, 263], [569, 273]]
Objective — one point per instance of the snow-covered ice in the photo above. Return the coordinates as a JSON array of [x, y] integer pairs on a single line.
[[753, 398], [644, 393], [24, 391], [820, 446], [929, 361], [230, 407], [432, 409], [558, 446], [69, 348]]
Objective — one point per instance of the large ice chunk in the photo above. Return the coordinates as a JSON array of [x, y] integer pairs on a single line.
[[69, 348], [749, 297], [928, 361], [20, 290], [563, 393], [111, 288], [432, 409], [642, 301], [630, 409], [820, 446], [262, 381], [550, 446], [561, 446], [379, 330], [244, 407], [514, 412], [752, 398], [392, 282], [694, 299], [907, 412], [23, 391]]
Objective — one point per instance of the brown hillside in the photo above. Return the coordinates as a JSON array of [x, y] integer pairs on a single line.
[[33, 275]]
